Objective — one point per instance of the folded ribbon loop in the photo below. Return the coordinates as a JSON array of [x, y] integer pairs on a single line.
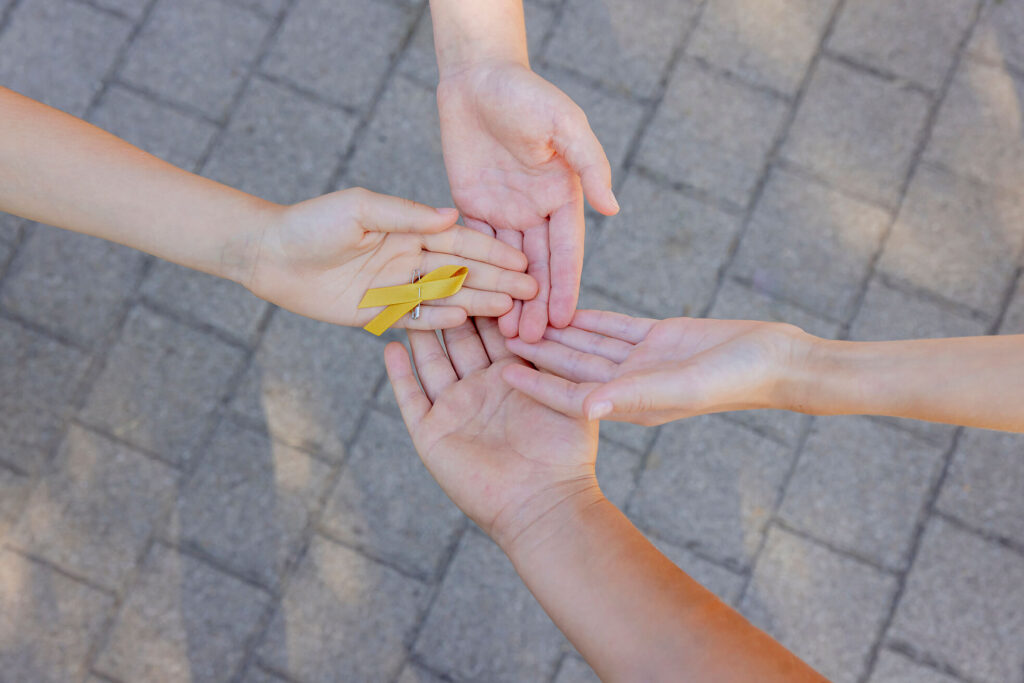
[[437, 284]]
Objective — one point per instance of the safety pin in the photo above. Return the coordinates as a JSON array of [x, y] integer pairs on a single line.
[[419, 294]]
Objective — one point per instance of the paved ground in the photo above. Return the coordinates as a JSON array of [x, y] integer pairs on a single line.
[[188, 492]]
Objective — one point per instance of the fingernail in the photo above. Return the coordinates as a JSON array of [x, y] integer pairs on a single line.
[[448, 210], [599, 410], [615, 202]]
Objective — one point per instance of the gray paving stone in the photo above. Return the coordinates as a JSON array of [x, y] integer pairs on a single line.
[[308, 382], [271, 8], [767, 43], [711, 484], [58, 52], [130, 8], [616, 471], [627, 46], [214, 301], [724, 583], [182, 621], [195, 52], [161, 131], [712, 133], [669, 267], [71, 283], [342, 618], [279, 145], [738, 302], [415, 674], [47, 622], [1013, 321], [464, 636], [96, 508], [857, 131], [10, 228], [985, 483], [999, 35], [956, 238], [388, 504], [14, 492], [962, 604], [810, 244], [826, 608], [575, 670], [903, 37], [39, 377], [312, 49], [892, 667], [419, 61], [248, 503], [254, 674], [400, 152], [862, 487], [6, 253], [161, 384], [977, 132]]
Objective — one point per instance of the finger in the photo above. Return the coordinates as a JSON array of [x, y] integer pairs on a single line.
[[474, 302], [411, 400], [534, 319], [554, 392], [481, 227], [484, 275], [565, 362], [607, 347], [617, 325], [385, 213], [475, 245], [432, 364], [632, 395], [576, 142], [434, 318], [509, 323], [494, 342], [566, 235], [465, 349]]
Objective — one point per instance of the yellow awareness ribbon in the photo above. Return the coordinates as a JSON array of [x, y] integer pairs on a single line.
[[437, 284]]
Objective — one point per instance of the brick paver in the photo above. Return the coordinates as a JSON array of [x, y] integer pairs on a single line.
[[195, 486]]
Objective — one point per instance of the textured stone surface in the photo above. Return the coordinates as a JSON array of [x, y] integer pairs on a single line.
[[461, 636], [711, 484], [961, 604], [339, 604], [810, 244], [712, 133], [14, 491], [893, 667], [724, 583], [386, 502], [48, 622], [575, 670], [769, 43], [903, 37], [93, 513], [248, 503], [264, 153], [862, 487], [10, 228], [161, 384], [669, 268], [826, 608], [195, 52], [1013, 323], [74, 284], [857, 131], [930, 247], [999, 35], [617, 471], [415, 674], [182, 621]]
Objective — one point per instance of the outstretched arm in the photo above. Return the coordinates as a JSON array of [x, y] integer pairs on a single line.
[[525, 474]]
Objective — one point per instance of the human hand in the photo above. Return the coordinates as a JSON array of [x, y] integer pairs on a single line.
[[319, 257], [504, 459], [616, 367], [520, 155]]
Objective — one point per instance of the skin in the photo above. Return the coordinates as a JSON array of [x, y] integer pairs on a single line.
[[316, 257], [613, 366], [520, 154], [525, 474]]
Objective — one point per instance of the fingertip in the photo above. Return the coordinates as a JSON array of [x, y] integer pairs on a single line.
[[508, 324], [531, 330], [394, 355]]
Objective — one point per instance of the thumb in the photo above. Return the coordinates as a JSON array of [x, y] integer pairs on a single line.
[[633, 396], [384, 213], [576, 143]]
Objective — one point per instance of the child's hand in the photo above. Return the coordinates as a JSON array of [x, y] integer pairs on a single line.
[[506, 460], [320, 256], [616, 367]]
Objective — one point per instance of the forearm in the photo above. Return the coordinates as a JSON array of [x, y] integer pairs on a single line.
[[57, 169], [632, 613], [470, 32], [971, 381]]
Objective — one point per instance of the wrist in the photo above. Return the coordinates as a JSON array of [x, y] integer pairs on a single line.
[[545, 516], [246, 247], [468, 36], [829, 377]]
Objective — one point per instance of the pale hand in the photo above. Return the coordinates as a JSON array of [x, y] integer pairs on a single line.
[[504, 459], [520, 154], [616, 367], [319, 257]]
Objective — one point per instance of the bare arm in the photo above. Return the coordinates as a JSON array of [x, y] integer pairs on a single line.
[[467, 34]]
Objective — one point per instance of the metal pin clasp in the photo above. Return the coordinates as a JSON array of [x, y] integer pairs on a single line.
[[419, 294]]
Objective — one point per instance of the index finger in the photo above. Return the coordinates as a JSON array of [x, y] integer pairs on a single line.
[[566, 234], [473, 244]]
